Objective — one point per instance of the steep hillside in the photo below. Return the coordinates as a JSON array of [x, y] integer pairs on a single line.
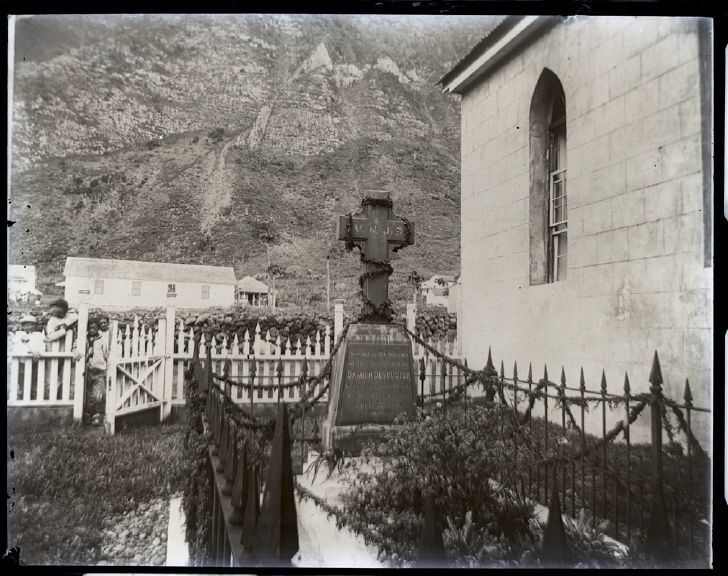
[[184, 138]]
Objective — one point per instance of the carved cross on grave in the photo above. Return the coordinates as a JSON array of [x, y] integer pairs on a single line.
[[374, 229]]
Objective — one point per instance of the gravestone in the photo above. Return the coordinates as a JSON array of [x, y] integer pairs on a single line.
[[373, 377]]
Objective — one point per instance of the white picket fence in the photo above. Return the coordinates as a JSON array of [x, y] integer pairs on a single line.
[[262, 349], [47, 381], [156, 358]]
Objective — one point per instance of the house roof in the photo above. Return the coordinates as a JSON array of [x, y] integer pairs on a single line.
[[138, 270], [505, 39], [486, 41], [250, 284]]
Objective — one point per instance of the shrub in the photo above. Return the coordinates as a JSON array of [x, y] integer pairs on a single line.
[[452, 457]]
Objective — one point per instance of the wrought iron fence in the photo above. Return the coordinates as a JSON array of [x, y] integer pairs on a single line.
[[654, 496]]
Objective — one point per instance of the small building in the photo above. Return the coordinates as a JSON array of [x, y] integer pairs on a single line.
[[131, 283], [436, 290], [252, 291], [22, 283]]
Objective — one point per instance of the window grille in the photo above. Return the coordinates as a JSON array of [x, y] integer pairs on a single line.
[[558, 224]]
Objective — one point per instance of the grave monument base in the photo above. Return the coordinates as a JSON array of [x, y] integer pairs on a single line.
[[373, 381]]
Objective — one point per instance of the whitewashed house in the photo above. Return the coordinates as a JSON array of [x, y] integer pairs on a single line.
[[21, 282], [436, 290], [131, 283], [252, 292]]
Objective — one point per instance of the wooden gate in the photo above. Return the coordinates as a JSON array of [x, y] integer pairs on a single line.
[[135, 375]]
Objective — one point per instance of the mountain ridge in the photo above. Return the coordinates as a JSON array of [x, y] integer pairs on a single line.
[[150, 144]]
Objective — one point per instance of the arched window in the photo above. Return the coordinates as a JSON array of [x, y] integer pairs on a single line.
[[547, 199]]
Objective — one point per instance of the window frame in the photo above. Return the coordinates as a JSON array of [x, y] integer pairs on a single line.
[[98, 286], [136, 287], [205, 293], [557, 230], [547, 144], [172, 288]]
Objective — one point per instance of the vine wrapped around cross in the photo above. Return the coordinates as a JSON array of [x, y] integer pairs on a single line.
[[374, 230]]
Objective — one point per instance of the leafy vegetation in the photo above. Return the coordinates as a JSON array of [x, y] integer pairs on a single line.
[[455, 459], [452, 458], [65, 481]]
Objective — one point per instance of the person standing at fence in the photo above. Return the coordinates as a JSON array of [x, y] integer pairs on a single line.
[[97, 354], [28, 340], [60, 321], [104, 326]]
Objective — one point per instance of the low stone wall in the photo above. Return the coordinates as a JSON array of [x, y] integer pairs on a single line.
[[231, 321], [434, 322], [437, 323]]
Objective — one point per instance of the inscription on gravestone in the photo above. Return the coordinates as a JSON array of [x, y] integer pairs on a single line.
[[376, 382]]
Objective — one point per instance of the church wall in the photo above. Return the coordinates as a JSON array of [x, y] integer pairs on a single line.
[[636, 280]]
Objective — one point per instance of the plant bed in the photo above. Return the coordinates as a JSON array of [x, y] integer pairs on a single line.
[[67, 485], [454, 458]]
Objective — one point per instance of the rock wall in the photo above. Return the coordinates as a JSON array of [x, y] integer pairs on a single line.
[[234, 320], [434, 322], [437, 323]]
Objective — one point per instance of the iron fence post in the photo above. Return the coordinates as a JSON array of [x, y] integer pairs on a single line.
[[253, 370], [422, 382], [304, 376], [443, 376], [627, 391], [604, 444], [582, 390], [562, 393], [658, 532], [546, 426], [279, 373], [529, 380], [688, 397]]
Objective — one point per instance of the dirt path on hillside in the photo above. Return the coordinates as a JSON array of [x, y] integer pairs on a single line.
[[217, 192]]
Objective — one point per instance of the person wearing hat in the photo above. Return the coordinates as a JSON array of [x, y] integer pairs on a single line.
[[28, 341], [60, 320]]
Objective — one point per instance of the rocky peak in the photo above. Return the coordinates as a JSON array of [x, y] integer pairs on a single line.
[[386, 64], [318, 59]]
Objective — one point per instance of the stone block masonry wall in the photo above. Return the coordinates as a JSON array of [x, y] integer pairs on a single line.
[[636, 280]]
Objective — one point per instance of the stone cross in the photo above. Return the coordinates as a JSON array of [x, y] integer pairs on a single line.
[[375, 229]]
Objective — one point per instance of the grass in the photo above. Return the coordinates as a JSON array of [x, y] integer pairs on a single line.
[[63, 482]]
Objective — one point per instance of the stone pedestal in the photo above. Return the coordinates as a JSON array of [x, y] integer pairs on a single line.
[[373, 380]]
